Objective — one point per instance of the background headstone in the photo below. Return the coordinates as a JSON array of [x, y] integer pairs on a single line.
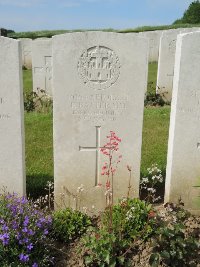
[[100, 80], [154, 41], [166, 61], [12, 159], [42, 65], [183, 171], [26, 46]]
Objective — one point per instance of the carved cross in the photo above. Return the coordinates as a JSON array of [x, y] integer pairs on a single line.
[[97, 150], [99, 55], [46, 71]]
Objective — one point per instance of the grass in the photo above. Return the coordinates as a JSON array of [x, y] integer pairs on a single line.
[[27, 80], [50, 33], [161, 27], [152, 76], [39, 139], [39, 151], [155, 137]]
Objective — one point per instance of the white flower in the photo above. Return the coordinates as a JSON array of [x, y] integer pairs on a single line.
[[144, 180], [80, 188], [151, 190]]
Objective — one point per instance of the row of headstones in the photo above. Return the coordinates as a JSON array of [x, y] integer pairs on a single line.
[[100, 80], [37, 55]]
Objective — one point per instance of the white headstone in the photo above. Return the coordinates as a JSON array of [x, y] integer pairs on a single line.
[[166, 62], [26, 46], [42, 65], [12, 160], [183, 169], [100, 79], [154, 41]]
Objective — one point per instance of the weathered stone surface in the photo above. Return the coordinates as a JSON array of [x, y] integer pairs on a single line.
[[26, 47], [100, 80], [183, 172], [42, 65], [166, 61], [154, 41], [166, 64], [12, 160]]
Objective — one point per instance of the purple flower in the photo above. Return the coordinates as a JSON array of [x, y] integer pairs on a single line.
[[35, 264], [25, 230], [46, 232], [39, 225], [23, 257], [24, 200], [4, 227], [30, 246], [14, 225], [31, 232], [26, 240], [2, 221], [5, 238], [26, 221]]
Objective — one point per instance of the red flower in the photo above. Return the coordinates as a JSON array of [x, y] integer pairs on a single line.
[[152, 214]]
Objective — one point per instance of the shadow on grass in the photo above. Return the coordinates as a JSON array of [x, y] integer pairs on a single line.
[[36, 185]]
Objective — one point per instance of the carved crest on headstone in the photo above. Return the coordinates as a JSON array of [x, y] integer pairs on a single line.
[[99, 67]]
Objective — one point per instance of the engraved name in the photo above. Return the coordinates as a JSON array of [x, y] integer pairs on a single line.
[[192, 96], [3, 116], [97, 107]]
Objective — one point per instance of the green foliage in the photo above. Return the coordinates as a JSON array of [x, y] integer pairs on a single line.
[[161, 27], [150, 184], [69, 224], [108, 244], [104, 248], [50, 33], [191, 15], [172, 246], [39, 102], [129, 218], [153, 99]]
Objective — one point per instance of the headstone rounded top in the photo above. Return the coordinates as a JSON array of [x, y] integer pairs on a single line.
[[99, 67]]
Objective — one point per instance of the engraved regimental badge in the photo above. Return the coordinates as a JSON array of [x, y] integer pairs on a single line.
[[99, 67]]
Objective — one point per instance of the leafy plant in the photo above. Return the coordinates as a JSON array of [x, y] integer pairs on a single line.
[[106, 246], [130, 217], [153, 99], [171, 245], [24, 231], [37, 101], [69, 224], [149, 184]]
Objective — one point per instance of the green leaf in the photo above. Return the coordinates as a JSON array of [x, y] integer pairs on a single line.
[[164, 254], [154, 260]]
